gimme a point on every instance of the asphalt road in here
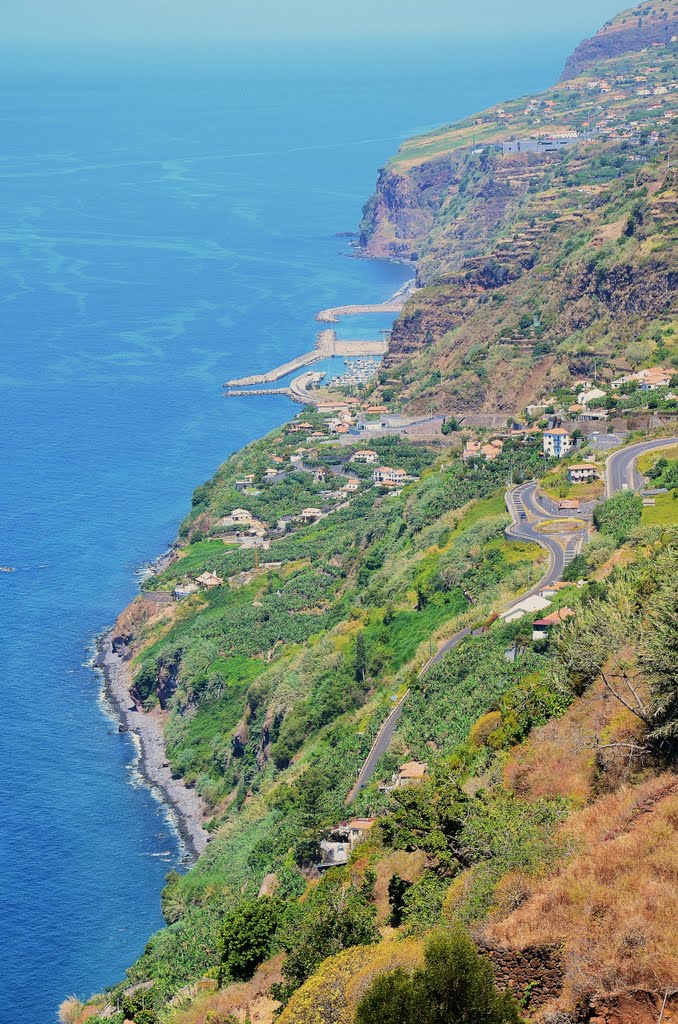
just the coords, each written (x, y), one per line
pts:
(521, 499)
(621, 471)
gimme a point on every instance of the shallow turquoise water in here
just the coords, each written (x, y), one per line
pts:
(165, 224)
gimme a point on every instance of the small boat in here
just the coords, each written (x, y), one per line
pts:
(7, 568)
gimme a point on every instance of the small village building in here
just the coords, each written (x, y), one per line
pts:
(557, 442)
(386, 475)
(581, 473)
(209, 580)
(586, 397)
(647, 380)
(238, 515)
(351, 485)
(341, 840)
(527, 606)
(410, 773)
(309, 515)
(244, 481)
(358, 829)
(319, 476)
(541, 627)
(334, 852)
(298, 428)
(592, 415)
(364, 455)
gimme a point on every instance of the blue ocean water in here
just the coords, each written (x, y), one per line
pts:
(167, 221)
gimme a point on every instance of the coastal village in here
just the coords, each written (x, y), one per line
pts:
(410, 648)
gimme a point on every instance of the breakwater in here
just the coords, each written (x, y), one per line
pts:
(327, 345)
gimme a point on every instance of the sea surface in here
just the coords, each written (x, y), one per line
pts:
(167, 221)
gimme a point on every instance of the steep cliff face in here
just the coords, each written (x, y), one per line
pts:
(645, 25)
(533, 259)
(401, 212)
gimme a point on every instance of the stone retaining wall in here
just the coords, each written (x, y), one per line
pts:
(534, 974)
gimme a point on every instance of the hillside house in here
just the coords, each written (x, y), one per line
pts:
(237, 516)
(183, 590)
(527, 606)
(647, 380)
(209, 580)
(474, 450)
(340, 841)
(364, 455)
(334, 852)
(591, 395)
(244, 481)
(386, 475)
(410, 773)
(298, 428)
(352, 485)
(557, 442)
(581, 473)
(309, 515)
(541, 627)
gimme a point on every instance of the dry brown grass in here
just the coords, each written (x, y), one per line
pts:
(245, 999)
(408, 865)
(614, 906)
(332, 994)
(559, 759)
(70, 1010)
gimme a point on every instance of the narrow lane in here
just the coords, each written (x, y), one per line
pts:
(621, 472)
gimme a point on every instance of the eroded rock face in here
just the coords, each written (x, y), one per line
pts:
(400, 213)
(614, 40)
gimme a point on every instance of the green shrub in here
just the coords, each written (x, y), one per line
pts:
(454, 986)
(246, 937)
(618, 516)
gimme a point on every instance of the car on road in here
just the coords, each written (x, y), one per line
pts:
(523, 515)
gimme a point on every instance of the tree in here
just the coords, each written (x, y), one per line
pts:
(619, 515)
(337, 914)
(360, 658)
(454, 986)
(450, 424)
(246, 937)
(397, 887)
(577, 569)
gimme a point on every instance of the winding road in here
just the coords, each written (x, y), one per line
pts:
(621, 472)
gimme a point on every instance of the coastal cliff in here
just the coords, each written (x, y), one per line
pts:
(533, 221)
(649, 24)
(331, 612)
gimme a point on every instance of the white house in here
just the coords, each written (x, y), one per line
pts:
(557, 442)
(581, 473)
(386, 475)
(585, 397)
(364, 455)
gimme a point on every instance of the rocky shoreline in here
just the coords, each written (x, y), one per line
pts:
(185, 804)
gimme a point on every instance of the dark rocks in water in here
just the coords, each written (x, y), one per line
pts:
(120, 643)
(123, 728)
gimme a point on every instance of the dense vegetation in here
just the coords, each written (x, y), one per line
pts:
(547, 812)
